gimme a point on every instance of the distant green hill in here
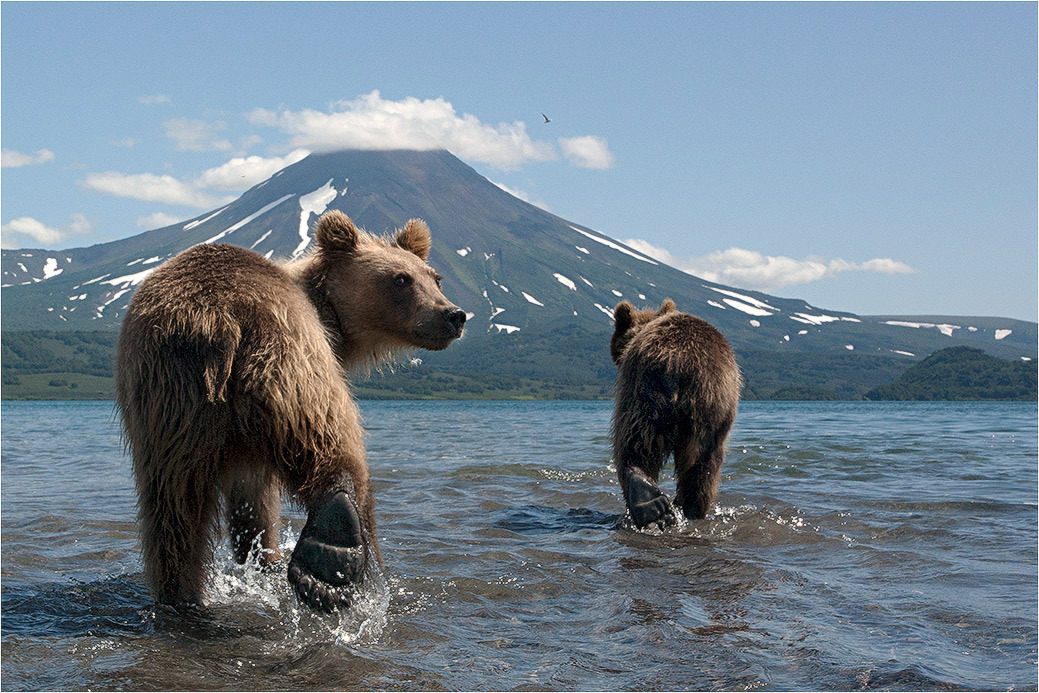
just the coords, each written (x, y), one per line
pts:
(963, 373)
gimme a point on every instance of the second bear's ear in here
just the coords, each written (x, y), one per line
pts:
(668, 306)
(335, 232)
(623, 316)
(414, 238)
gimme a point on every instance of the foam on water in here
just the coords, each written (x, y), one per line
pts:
(268, 592)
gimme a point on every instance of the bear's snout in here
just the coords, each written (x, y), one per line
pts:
(456, 318)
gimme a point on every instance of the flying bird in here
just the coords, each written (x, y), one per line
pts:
(547, 119)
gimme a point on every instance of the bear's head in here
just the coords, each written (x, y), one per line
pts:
(381, 291)
(627, 322)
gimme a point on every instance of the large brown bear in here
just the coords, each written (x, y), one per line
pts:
(678, 387)
(231, 383)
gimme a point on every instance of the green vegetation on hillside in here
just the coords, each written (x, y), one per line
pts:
(963, 373)
(570, 363)
(58, 365)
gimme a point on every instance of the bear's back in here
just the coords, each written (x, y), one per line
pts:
(686, 356)
(219, 278)
(217, 321)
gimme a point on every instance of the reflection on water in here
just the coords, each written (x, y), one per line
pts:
(854, 546)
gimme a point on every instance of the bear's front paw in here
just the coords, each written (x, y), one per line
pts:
(330, 557)
(647, 504)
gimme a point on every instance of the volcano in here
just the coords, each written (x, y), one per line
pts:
(520, 272)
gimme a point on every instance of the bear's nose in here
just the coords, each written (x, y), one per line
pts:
(457, 318)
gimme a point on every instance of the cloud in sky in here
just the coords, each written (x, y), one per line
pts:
(155, 99)
(749, 269)
(10, 158)
(237, 174)
(371, 122)
(587, 151)
(152, 188)
(40, 232)
(196, 135)
(160, 219)
(244, 172)
(125, 143)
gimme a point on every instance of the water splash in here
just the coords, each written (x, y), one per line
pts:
(266, 592)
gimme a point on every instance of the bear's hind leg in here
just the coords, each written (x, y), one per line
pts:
(177, 528)
(253, 508)
(698, 466)
(638, 462)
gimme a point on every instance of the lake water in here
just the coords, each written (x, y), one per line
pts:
(854, 546)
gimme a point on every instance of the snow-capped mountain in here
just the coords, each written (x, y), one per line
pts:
(515, 268)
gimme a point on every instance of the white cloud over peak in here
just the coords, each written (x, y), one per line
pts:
(152, 188)
(10, 158)
(40, 232)
(196, 135)
(244, 172)
(749, 269)
(587, 151)
(371, 122)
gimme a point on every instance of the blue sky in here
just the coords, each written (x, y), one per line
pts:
(875, 158)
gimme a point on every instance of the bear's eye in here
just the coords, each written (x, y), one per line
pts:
(439, 280)
(402, 280)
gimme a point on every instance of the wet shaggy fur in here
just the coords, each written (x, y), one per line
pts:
(677, 392)
(231, 383)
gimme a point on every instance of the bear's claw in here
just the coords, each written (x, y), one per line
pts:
(330, 557)
(646, 502)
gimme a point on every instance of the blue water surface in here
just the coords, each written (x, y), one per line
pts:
(854, 546)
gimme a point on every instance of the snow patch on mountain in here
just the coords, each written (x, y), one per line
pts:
(531, 299)
(243, 222)
(192, 224)
(1003, 334)
(130, 279)
(945, 329)
(748, 309)
(312, 203)
(50, 268)
(261, 239)
(565, 281)
(615, 246)
(746, 300)
(809, 319)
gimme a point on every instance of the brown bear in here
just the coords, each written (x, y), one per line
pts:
(231, 383)
(678, 387)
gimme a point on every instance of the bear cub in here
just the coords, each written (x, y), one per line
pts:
(678, 388)
(231, 383)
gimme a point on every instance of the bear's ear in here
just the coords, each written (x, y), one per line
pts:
(414, 238)
(668, 306)
(623, 316)
(335, 232)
